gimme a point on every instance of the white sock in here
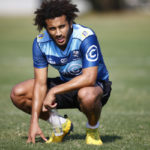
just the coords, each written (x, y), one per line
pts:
(62, 119)
(92, 127)
(56, 119)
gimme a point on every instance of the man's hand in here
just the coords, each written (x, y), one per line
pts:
(35, 130)
(49, 102)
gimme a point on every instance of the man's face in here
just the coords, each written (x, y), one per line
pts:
(59, 29)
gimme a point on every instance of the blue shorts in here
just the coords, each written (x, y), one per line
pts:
(69, 99)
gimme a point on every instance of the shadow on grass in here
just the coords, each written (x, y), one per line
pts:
(110, 138)
(105, 138)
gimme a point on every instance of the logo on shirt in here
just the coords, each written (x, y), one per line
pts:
(92, 53)
(63, 60)
(40, 36)
(52, 62)
(75, 69)
(84, 33)
(76, 54)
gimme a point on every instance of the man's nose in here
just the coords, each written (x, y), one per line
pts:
(58, 33)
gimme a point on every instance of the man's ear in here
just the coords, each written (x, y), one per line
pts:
(71, 24)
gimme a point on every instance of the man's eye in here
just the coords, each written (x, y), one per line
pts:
(52, 29)
(62, 26)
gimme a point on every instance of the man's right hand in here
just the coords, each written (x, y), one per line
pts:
(35, 130)
(49, 102)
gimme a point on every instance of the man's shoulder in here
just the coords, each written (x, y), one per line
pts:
(81, 32)
(43, 37)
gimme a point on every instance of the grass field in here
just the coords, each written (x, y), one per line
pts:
(125, 120)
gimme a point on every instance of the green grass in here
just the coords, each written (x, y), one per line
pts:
(125, 120)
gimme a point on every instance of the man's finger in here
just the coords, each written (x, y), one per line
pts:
(33, 139)
(29, 140)
(44, 109)
(54, 105)
(43, 137)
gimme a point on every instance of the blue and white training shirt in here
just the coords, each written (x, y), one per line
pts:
(82, 51)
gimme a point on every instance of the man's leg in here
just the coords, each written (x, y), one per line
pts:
(90, 104)
(21, 96)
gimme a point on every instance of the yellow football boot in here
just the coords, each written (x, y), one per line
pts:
(93, 137)
(67, 127)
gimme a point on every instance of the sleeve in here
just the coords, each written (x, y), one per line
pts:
(39, 60)
(91, 52)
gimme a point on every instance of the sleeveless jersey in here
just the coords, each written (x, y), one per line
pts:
(82, 51)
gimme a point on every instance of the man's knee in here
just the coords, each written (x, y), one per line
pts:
(88, 97)
(16, 92)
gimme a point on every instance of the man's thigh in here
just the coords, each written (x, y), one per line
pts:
(106, 86)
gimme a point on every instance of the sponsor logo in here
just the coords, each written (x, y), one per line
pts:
(85, 33)
(92, 53)
(75, 52)
(40, 36)
(75, 69)
(52, 62)
(63, 60)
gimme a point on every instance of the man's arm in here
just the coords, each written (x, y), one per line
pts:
(39, 93)
(87, 78)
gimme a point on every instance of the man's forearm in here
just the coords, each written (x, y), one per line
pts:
(39, 94)
(88, 78)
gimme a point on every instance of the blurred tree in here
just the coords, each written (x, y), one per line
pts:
(106, 5)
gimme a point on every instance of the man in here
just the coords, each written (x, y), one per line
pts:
(84, 80)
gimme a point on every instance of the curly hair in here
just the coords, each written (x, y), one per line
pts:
(52, 9)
